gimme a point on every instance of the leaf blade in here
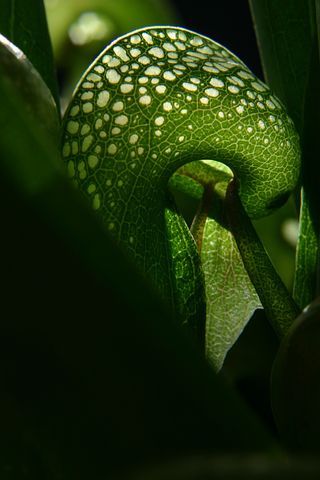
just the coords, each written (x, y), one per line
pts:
(27, 28)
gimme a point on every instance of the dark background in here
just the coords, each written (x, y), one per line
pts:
(228, 23)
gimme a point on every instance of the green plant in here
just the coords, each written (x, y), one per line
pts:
(106, 375)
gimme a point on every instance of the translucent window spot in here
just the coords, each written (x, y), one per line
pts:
(195, 80)
(144, 60)
(240, 109)
(142, 90)
(272, 118)
(184, 111)
(143, 80)
(181, 138)
(236, 80)
(169, 47)
(114, 62)
(260, 105)
(133, 139)
(117, 106)
(245, 75)
(190, 87)
(121, 53)
(108, 182)
(106, 58)
(85, 129)
(74, 147)
(216, 82)
(93, 161)
(91, 188)
(206, 50)
(156, 52)
(147, 38)
(158, 133)
(135, 39)
(86, 143)
(221, 115)
(103, 134)
(172, 34)
(145, 100)
(275, 101)
(212, 92)
(182, 36)
(196, 41)
(97, 149)
(111, 226)
(249, 129)
(103, 98)
(258, 86)
(159, 121)
(87, 107)
(168, 75)
(135, 52)
(251, 94)
(180, 67)
(112, 149)
(261, 125)
(66, 150)
(204, 100)
(233, 89)
(112, 76)
(270, 104)
(72, 127)
(153, 71)
(167, 106)
(96, 202)
(154, 81)
(140, 150)
(210, 69)
(87, 85)
(93, 77)
(121, 120)
(87, 96)
(126, 88)
(266, 141)
(71, 169)
(106, 117)
(99, 69)
(120, 183)
(115, 131)
(74, 110)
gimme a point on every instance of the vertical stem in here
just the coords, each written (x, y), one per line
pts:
(279, 306)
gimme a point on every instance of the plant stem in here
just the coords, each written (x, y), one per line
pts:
(279, 306)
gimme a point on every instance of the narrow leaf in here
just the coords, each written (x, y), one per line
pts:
(288, 43)
(231, 297)
(25, 25)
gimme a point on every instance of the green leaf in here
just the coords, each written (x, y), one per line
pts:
(135, 119)
(18, 71)
(288, 43)
(230, 295)
(95, 373)
(26, 27)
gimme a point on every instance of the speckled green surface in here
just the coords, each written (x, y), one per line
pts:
(153, 101)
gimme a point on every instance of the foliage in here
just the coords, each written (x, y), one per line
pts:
(111, 315)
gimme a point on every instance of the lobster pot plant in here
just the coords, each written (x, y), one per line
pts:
(130, 262)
